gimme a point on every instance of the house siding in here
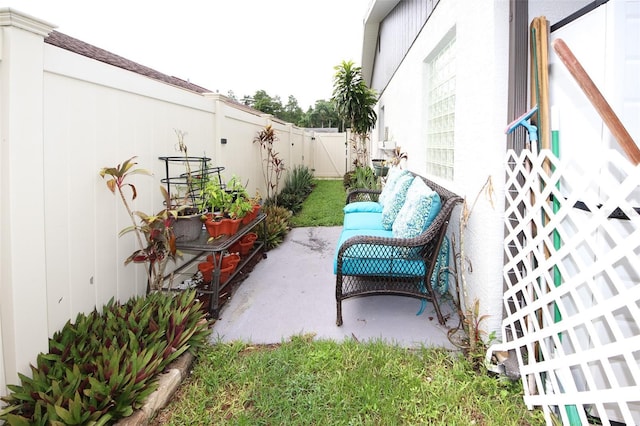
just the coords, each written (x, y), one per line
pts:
(397, 33)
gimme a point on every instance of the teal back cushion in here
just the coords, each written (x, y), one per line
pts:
(391, 207)
(420, 208)
(394, 174)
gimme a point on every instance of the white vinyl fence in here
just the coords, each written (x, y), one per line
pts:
(572, 278)
(63, 117)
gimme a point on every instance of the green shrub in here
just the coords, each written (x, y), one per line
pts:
(277, 226)
(299, 180)
(291, 201)
(348, 179)
(104, 366)
(361, 177)
(297, 186)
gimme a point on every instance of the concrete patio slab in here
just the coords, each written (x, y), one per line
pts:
(292, 292)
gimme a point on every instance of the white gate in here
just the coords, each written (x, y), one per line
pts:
(572, 278)
(329, 155)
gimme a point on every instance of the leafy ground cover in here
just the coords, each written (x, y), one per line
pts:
(103, 366)
(303, 381)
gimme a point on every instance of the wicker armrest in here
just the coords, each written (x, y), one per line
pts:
(362, 194)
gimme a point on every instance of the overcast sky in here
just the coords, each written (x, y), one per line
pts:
(285, 47)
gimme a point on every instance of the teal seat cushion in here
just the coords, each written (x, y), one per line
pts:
(372, 259)
(363, 220)
(420, 208)
(364, 259)
(363, 206)
(391, 207)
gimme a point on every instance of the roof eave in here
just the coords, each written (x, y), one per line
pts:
(378, 10)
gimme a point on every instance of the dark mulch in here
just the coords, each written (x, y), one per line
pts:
(229, 288)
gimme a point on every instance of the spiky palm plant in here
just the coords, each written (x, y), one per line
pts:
(355, 102)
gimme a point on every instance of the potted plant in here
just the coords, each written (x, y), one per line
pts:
(216, 199)
(256, 203)
(380, 167)
(158, 245)
(240, 204)
(188, 186)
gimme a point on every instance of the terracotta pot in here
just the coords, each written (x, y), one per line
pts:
(211, 258)
(214, 228)
(230, 259)
(251, 236)
(249, 217)
(245, 247)
(206, 269)
(225, 273)
(234, 225)
(218, 228)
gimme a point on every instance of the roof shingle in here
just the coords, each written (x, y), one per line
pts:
(71, 44)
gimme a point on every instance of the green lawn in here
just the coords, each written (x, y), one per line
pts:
(323, 207)
(306, 382)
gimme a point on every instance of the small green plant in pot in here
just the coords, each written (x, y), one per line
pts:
(227, 205)
(240, 204)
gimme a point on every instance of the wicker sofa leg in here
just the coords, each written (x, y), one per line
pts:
(339, 296)
(436, 305)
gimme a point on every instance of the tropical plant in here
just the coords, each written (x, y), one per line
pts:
(355, 103)
(299, 180)
(273, 165)
(159, 240)
(277, 226)
(363, 177)
(103, 366)
(298, 184)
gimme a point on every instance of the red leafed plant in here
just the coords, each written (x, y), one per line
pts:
(159, 240)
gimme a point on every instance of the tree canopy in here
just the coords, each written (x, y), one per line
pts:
(322, 115)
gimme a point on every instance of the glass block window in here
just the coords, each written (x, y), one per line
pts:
(440, 109)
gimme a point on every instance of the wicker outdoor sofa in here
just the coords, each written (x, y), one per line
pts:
(393, 240)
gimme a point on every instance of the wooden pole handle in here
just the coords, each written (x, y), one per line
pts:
(601, 105)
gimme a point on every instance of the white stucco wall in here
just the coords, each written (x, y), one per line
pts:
(482, 40)
(481, 113)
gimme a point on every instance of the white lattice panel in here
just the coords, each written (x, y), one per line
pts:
(572, 278)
